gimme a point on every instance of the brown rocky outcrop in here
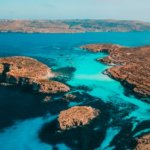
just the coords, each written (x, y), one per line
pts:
(76, 116)
(25, 71)
(143, 143)
(101, 47)
(49, 86)
(131, 66)
(26, 67)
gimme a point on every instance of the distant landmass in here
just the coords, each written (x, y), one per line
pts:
(72, 26)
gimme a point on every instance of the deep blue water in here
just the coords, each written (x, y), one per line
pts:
(28, 124)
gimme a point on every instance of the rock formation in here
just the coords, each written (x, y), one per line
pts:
(76, 116)
(25, 71)
(131, 65)
(143, 143)
(47, 99)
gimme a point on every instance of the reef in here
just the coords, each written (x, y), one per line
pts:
(143, 143)
(76, 116)
(30, 73)
(130, 66)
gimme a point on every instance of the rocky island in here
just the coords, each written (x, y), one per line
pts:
(76, 116)
(130, 66)
(143, 143)
(28, 72)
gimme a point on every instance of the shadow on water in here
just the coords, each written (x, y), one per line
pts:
(64, 74)
(20, 105)
(92, 135)
(17, 104)
(87, 137)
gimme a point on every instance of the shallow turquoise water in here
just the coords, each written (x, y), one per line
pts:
(129, 114)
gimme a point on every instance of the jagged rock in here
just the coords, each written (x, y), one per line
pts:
(76, 116)
(69, 97)
(47, 99)
(143, 143)
(25, 71)
(49, 86)
(26, 67)
(132, 66)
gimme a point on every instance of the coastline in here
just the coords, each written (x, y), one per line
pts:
(82, 32)
(129, 66)
(117, 109)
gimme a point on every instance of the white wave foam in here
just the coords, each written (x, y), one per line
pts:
(98, 77)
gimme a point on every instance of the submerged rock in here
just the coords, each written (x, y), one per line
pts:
(131, 66)
(69, 97)
(76, 116)
(143, 143)
(25, 71)
(47, 99)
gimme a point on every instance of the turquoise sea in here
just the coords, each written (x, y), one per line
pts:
(28, 124)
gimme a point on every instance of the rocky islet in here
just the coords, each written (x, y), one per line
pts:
(143, 143)
(76, 116)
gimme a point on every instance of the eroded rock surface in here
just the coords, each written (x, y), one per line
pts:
(25, 71)
(131, 66)
(76, 116)
(143, 143)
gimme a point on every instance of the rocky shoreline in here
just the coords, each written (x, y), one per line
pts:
(130, 66)
(143, 143)
(30, 73)
(72, 26)
(76, 116)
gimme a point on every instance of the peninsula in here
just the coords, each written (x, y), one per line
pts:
(130, 66)
(30, 73)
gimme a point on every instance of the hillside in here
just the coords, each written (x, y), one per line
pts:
(72, 26)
